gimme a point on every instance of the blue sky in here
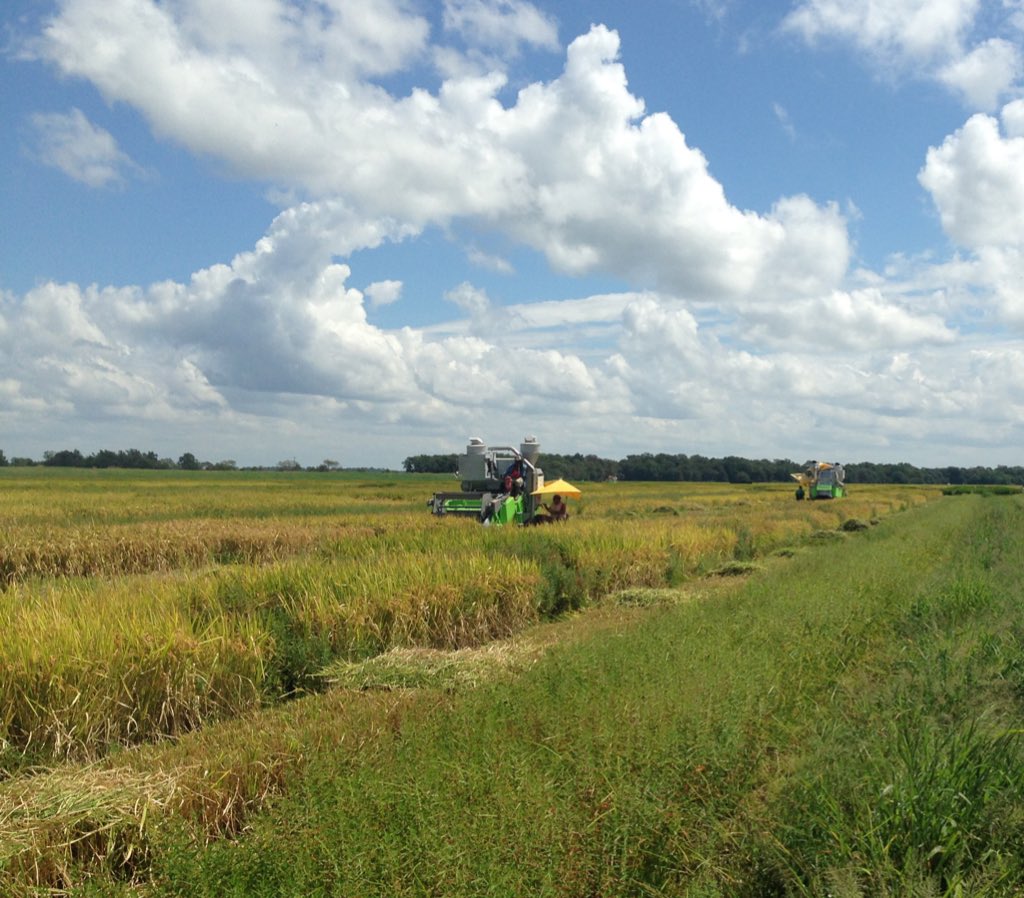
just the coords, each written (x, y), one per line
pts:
(365, 229)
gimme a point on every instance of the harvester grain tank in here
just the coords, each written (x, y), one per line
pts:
(821, 480)
(496, 483)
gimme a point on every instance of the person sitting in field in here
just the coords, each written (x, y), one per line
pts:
(556, 510)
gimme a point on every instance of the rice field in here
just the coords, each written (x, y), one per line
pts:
(138, 607)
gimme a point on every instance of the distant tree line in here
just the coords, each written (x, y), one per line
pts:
(730, 469)
(105, 458)
(733, 469)
(579, 467)
(137, 459)
(128, 458)
(431, 464)
(645, 466)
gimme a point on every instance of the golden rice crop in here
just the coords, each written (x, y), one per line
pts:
(87, 551)
(87, 665)
(381, 598)
(84, 668)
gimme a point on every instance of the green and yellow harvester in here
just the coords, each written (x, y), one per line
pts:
(497, 483)
(821, 480)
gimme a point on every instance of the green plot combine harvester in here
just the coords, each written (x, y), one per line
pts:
(821, 480)
(497, 483)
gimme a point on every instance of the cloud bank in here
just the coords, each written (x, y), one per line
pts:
(743, 331)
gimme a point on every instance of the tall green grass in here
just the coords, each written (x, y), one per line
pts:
(918, 785)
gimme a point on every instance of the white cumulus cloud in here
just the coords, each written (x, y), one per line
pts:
(975, 179)
(904, 31)
(970, 46)
(985, 74)
(83, 151)
(384, 293)
(501, 24)
(574, 168)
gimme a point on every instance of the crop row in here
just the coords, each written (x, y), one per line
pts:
(87, 664)
(55, 534)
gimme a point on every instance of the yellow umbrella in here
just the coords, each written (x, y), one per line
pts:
(558, 488)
